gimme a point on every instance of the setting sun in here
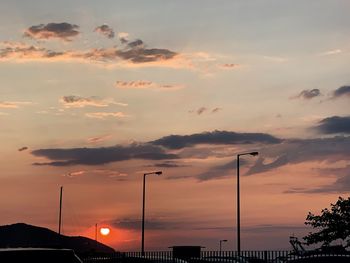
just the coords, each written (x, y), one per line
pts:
(105, 231)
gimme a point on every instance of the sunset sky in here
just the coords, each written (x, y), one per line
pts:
(96, 93)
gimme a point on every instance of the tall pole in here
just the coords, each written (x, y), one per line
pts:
(238, 211)
(96, 245)
(96, 232)
(60, 214)
(239, 203)
(143, 210)
(143, 217)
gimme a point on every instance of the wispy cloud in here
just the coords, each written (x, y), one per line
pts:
(168, 164)
(111, 56)
(168, 222)
(202, 110)
(104, 115)
(152, 224)
(102, 155)
(98, 139)
(215, 149)
(138, 84)
(96, 172)
(303, 150)
(105, 30)
(276, 59)
(18, 51)
(215, 110)
(144, 84)
(229, 66)
(80, 102)
(219, 171)
(134, 53)
(23, 149)
(308, 94)
(75, 173)
(13, 104)
(331, 52)
(63, 31)
(340, 185)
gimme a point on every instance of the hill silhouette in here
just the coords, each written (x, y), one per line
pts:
(24, 235)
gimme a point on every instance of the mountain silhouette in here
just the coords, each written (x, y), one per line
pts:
(24, 235)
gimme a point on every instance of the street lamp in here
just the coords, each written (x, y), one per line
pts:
(238, 202)
(222, 240)
(143, 210)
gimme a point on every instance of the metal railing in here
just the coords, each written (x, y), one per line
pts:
(266, 256)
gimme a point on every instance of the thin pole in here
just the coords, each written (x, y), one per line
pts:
(220, 245)
(96, 232)
(60, 215)
(143, 210)
(143, 217)
(238, 212)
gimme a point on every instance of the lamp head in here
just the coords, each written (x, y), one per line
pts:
(254, 153)
(224, 240)
(158, 172)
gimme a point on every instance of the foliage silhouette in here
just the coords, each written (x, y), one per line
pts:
(333, 224)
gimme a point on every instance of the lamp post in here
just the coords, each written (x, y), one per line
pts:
(238, 202)
(143, 210)
(222, 240)
(60, 213)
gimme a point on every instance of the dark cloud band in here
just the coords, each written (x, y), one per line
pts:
(103, 155)
(63, 31)
(216, 137)
(334, 125)
(342, 92)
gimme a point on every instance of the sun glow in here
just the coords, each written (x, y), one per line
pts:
(105, 231)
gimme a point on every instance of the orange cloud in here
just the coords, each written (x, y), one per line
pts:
(133, 54)
(143, 84)
(13, 104)
(127, 57)
(80, 102)
(98, 138)
(104, 115)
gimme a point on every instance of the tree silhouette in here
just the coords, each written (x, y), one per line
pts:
(333, 224)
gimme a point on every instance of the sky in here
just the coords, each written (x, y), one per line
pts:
(93, 94)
